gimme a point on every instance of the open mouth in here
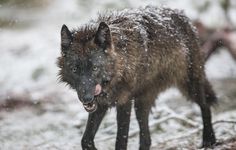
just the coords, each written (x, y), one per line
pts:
(90, 107)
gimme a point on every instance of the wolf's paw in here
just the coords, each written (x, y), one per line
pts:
(208, 144)
(89, 148)
(88, 145)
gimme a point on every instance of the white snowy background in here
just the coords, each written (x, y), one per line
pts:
(51, 117)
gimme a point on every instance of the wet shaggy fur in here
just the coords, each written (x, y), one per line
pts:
(135, 54)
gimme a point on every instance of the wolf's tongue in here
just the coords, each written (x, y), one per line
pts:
(98, 89)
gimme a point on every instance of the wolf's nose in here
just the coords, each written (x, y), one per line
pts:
(88, 99)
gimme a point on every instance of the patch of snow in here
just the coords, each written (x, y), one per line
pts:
(60, 123)
(221, 65)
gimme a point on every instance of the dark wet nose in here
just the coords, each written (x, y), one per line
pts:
(88, 99)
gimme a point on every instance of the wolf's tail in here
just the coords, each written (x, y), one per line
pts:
(195, 57)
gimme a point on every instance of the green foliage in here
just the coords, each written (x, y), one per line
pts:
(24, 3)
(225, 4)
(38, 72)
(13, 23)
(158, 128)
(202, 8)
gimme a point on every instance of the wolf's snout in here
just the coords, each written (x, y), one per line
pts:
(90, 105)
(88, 99)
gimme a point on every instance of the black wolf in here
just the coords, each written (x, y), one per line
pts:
(134, 54)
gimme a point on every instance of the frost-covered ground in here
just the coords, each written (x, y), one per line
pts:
(40, 113)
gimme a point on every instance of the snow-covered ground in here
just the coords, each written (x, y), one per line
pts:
(52, 117)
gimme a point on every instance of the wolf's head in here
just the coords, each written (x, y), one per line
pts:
(85, 62)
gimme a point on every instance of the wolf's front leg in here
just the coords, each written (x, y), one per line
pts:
(123, 120)
(143, 105)
(93, 123)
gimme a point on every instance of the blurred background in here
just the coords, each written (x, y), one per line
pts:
(36, 111)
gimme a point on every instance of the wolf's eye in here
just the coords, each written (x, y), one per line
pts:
(74, 69)
(95, 68)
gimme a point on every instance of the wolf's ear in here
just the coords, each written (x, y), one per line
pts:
(103, 36)
(66, 36)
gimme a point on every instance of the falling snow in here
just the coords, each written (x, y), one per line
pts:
(48, 115)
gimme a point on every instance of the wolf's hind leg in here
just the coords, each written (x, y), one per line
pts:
(201, 92)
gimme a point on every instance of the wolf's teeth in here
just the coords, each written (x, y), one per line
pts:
(93, 106)
(89, 106)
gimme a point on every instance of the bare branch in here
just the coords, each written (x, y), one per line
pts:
(224, 121)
